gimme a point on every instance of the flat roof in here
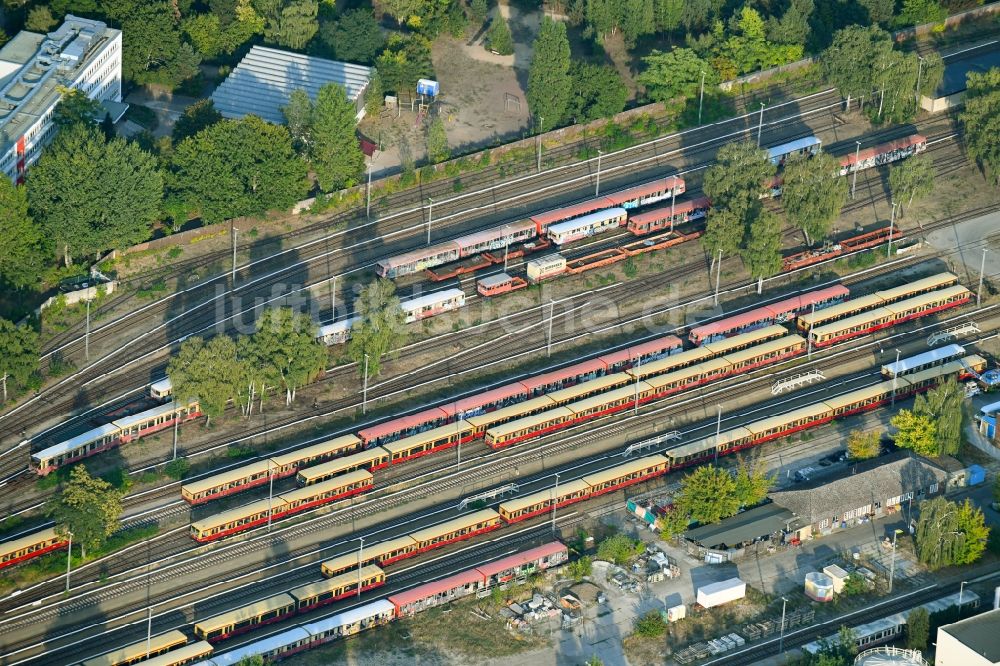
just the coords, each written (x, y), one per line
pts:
(265, 79)
(746, 526)
(980, 633)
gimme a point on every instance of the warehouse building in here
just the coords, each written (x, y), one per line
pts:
(82, 54)
(974, 641)
(265, 79)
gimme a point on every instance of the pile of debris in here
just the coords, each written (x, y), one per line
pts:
(710, 648)
(522, 615)
(796, 618)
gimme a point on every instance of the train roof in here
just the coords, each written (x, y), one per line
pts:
(767, 347)
(350, 616)
(797, 144)
(511, 411)
(314, 450)
(519, 559)
(435, 587)
(162, 386)
(707, 443)
(709, 366)
(503, 429)
(840, 310)
(804, 301)
(724, 346)
(623, 393)
(225, 517)
(250, 469)
(401, 423)
(159, 410)
(431, 435)
(330, 484)
(339, 326)
(449, 526)
(658, 185)
(417, 255)
(930, 356)
(780, 420)
(272, 642)
(923, 284)
(929, 297)
(374, 551)
(17, 544)
(567, 488)
(587, 220)
(868, 153)
(570, 371)
(573, 210)
(182, 655)
(862, 394)
(631, 467)
(76, 442)
(590, 386)
(656, 214)
(431, 299)
(850, 322)
(136, 650)
(329, 584)
(246, 612)
(633, 352)
(732, 322)
(494, 233)
(337, 464)
(486, 397)
(497, 280)
(668, 363)
(949, 368)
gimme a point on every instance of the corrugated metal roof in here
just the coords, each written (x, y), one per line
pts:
(264, 80)
(546, 550)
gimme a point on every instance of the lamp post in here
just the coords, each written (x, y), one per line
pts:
(718, 432)
(69, 559)
(894, 375)
(555, 501)
(270, 493)
(361, 550)
(961, 591)
(718, 277)
(982, 270)
(916, 92)
(701, 97)
(235, 231)
(854, 178)
(760, 124)
(892, 223)
(548, 343)
(368, 192)
(781, 636)
(364, 393)
(809, 340)
(538, 144)
(892, 562)
(638, 367)
(430, 213)
(597, 188)
(86, 335)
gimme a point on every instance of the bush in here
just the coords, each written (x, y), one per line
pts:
(650, 625)
(580, 569)
(177, 469)
(619, 549)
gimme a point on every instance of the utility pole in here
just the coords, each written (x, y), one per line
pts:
(638, 367)
(701, 97)
(894, 375)
(368, 192)
(597, 188)
(270, 493)
(69, 560)
(760, 124)
(548, 344)
(673, 200)
(361, 550)
(892, 222)
(961, 594)
(982, 270)
(235, 230)
(781, 637)
(86, 335)
(149, 632)
(538, 144)
(854, 178)
(916, 93)
(809, 340)
(892, 562)
(364, 394)
(718, 432)
(333, 300)
(430, 212)
(718, 276)
(177, 421)
(555, 501)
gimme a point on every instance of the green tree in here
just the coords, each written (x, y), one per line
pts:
(619, 549)
(224, 29)
(668, 14)
(598, 92)
(252, 660)
(336, 155)
(289, 23)
(942, 406)
(602, 17)
(950, 534)
(793, 26)
(672, 522)
(374, 96)
(918, 629)
(18, 355)
(404, 60)
(286, 342)
(152, 49)
(299, 120)
(762, 247)
(752, 483)
(863, 444)
(880, 11)
(212, 373)
(22, 244)
(75, 107)
(637, 19)
(580, 568)
(708, 494)
(88, 508)
(499, 38)
(852, 60)
(910, 179)
(918, 12)
(196, 117)
(402, 10)
(354, 37)
(549, 82)
(738, 176)
(676, 73)
(723, 232)
(40, 19)
(479, 9)
(437, 141)
(650, 625)
(380, 329)
(916, 432)
(89, 194)
(238, 168)
(981, 120)
(813, 194)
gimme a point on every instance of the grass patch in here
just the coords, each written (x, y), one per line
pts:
(153, 290)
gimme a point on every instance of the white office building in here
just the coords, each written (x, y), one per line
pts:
(81, 53)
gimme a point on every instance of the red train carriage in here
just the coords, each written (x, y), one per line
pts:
(667, 217)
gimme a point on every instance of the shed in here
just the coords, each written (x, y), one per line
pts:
(757, 523)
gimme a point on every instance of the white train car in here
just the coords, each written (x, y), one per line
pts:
(587, 226)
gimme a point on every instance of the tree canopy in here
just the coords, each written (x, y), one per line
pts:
(286, 343)
(981, 120)
(676, 73)
(918, 628)
(723, 232)
(336, 154)
(549, 81)
(88, 508)
(18, 355)
(437, 141)
(762, 246)
(354, 37)
(598, 92)
(738, 176)
(22, 245)
(949, 533)
(619, 549)
(708, 494)
(239, 168)
(912, 178)
(196, 117)
(942, 406)
(813, 194)
(864, 444)
(499, 38)
(380, 329)
(916, 432)
(211, 372)
(89, 194)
